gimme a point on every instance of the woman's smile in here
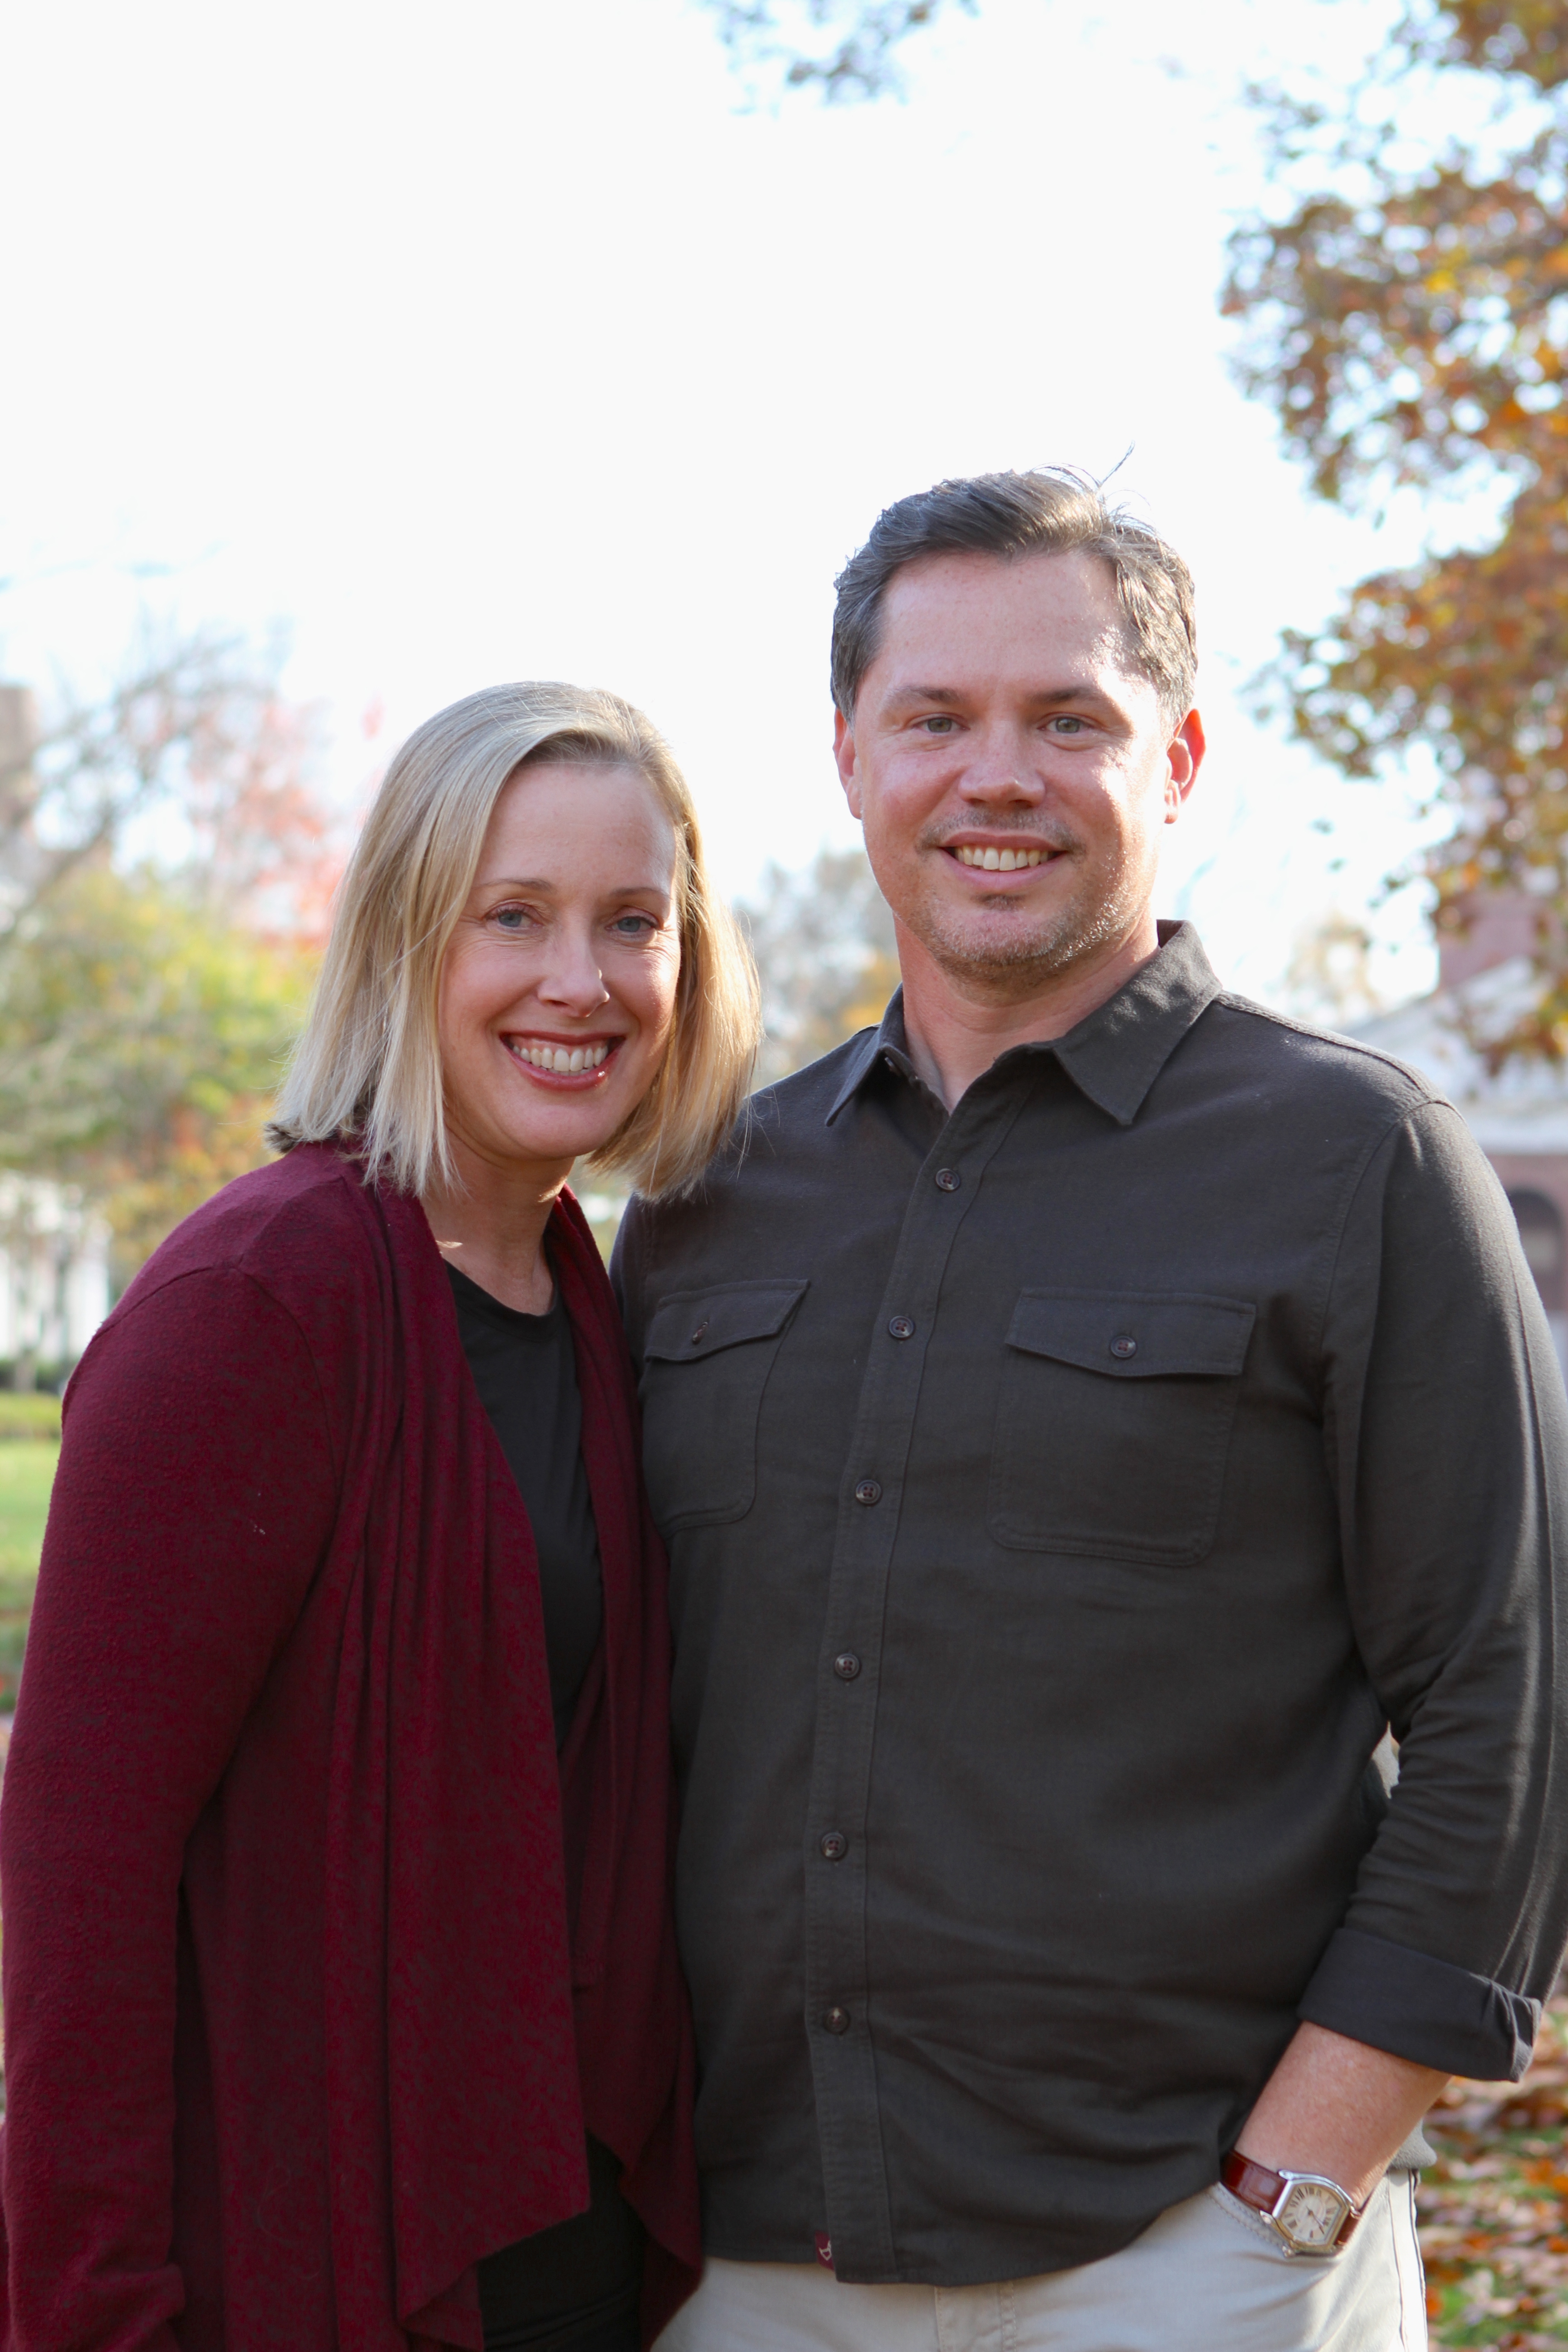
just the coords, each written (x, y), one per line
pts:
(573, 1063)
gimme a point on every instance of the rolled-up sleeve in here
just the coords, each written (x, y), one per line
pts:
(1447, 1434)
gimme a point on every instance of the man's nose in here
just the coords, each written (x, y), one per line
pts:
(1002, 770)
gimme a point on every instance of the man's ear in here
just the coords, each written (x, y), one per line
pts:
(844, 756)
(1186, 757)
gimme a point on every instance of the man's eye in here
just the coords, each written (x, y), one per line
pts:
(1066, 724)
(939, 725)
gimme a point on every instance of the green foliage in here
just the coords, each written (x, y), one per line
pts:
(142, 1032)
(1408, 321)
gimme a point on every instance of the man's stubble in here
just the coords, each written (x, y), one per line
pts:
(980, 957)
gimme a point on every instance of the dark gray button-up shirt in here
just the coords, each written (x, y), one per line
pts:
(1063, 1495)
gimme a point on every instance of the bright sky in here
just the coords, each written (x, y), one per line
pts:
(497, 340)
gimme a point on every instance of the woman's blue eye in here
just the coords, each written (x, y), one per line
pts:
(512, 919)
(634, 923)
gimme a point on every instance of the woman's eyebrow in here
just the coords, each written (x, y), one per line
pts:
(644, 889)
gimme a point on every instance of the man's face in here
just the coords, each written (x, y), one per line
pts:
(1002, 726)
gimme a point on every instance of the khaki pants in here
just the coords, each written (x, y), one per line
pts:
(1210, 2275)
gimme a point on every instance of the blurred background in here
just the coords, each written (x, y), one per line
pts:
(359, 357)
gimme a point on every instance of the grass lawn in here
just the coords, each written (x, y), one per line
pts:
(27, 1474)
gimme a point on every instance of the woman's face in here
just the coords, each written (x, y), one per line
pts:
(558, 988)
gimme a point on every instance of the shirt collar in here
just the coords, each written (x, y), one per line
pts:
(1113, 1056)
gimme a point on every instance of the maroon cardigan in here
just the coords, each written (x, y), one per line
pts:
(302, 2015)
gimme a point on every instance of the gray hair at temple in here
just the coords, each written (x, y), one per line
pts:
(1056, 512)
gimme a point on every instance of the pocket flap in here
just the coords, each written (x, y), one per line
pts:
(691, 1324)
(1134, 1334)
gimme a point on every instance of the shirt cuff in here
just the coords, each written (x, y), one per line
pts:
(1421, 2009)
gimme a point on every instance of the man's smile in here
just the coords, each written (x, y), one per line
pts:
(998, 852)
(998, 861)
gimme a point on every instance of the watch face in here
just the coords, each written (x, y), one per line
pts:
(1310, 2214)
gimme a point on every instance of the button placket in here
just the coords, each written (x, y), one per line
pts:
(850, 2126)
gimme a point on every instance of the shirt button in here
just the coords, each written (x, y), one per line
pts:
(948, 1180)
(837, 2021)
(835, 1847)
(868, 1491)
(846, 1665)
(1124, 1344)
(901, 1327)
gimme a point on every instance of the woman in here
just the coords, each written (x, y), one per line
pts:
(343, 2010)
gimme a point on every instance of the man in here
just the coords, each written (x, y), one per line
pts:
(1087, 1413)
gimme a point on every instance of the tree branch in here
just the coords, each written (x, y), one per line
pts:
(856, 60)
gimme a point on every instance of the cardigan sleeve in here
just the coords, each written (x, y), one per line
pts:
(196, 1495)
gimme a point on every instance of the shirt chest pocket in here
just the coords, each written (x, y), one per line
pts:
(706, 1358)
(1114, 1423)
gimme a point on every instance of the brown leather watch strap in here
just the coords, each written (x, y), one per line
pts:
(1256, 2186)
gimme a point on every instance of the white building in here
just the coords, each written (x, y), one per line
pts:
(54, 1277)
(1519, 1116)
(54, 1254)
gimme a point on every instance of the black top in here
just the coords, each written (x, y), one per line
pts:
(1063, 1493)
(578, 2283)
(526, 1373)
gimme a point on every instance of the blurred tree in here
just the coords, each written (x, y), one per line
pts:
(1328, 978)
(846, 49)
(189, 727)
(823, 937)
(142, 1032)
(1407, 318)
(144, 1014)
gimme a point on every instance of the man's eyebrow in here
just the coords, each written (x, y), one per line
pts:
(1051, 694)
(907, 696)
(912, 697)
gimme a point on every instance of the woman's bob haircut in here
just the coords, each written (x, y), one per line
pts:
(367, 1069)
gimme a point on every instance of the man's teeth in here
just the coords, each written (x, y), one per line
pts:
(999, 861)
(563, 1059)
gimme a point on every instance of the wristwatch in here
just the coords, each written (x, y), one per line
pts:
(1312, 2215)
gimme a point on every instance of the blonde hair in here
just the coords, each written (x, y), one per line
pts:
(368, 1064)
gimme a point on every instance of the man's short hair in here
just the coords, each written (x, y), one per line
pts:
(1053, 512)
